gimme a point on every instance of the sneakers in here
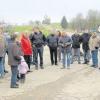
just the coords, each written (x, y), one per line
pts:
(68, 67)
(56, 64)
(15, 86)
(29, 71)
(5, 71)
(22, 81)
(79, 62)
(86, 62)
(94, 66)
(1, 76)
(41, 67)
(36, 67)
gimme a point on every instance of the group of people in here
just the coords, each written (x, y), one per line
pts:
(24, 50)
(68, 48)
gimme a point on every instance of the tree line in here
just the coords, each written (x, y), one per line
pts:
(91, 21)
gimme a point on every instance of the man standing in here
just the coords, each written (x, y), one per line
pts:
(33, 48)
(2, 52)
(52, 41)
(85, 45)
(14, 54)
(38, 41)
(76, 47)
(7, 41)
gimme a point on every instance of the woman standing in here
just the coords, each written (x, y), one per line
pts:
(26, 48)
(65, 42)
(94, 44)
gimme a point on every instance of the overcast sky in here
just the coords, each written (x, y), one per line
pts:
(21, 11)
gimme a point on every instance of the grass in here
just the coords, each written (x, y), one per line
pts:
(22, 28)
(44, 28)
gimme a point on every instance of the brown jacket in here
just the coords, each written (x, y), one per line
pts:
(94, 42)
(2, 46)
(13, 51)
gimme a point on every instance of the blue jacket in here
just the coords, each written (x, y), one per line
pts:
(52, 40)
(65, 42)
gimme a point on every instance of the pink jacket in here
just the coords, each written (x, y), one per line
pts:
(23, 67)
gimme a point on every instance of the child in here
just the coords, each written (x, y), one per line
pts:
(23, 68)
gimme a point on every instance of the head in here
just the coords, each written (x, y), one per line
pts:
(86, 31)
(17, 35)
(64, 33)
(76, 32)
(25, 34)
(59, 33)
(94, 34)
(22, 59)
(1, 30)
(33, 29)
(53, 31)
(36, 29)
(13, 37)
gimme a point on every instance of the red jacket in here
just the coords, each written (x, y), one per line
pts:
(26, 45)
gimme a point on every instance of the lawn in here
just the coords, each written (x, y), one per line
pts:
(44, 28)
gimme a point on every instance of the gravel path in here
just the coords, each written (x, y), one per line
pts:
(53, 83)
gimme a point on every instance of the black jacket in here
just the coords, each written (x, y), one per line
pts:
(76, 38)
(38, 39)
(85, 41)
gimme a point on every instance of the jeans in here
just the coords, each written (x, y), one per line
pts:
(1, 67)
(4, 61)
(86, 55)
(95, 57)
(14, 71)
(75, 53)
(53, 55)
(59, 53)
(28, 60)
(66, 59)
(39, 50)
(34, 55)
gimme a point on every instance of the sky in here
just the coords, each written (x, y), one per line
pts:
(22, 11)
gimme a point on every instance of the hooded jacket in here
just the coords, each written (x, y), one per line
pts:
(26, 45)
(94, 43)
(85, 41)
(76, 41)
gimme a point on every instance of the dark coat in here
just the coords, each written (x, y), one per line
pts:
(52, 40)
(38, 39)
(85, 41)
(76, 38)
